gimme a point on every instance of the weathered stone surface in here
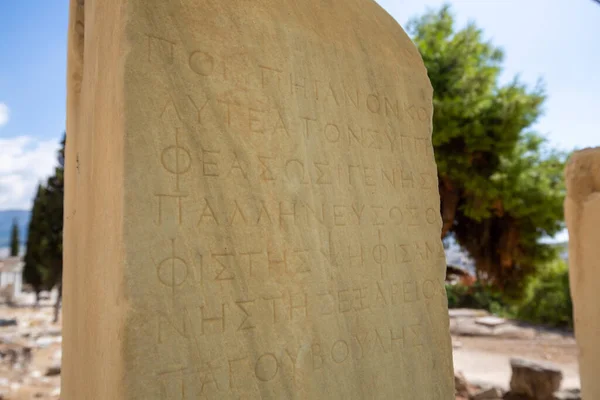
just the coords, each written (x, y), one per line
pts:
(467, 313)
(53, 370)
(573, 394)
(514, 396)
(465, 326)
(535, 380)
(582, 213)
(491, 321)
(487, 394)
(251, 205)
(460, 384)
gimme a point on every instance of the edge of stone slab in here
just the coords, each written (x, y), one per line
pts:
(582, 174)
(517, 362)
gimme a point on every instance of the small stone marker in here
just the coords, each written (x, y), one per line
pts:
(534, 380)
(252, 208)
(491, 321)
(582, 213)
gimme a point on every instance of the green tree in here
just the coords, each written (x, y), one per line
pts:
(33, 272)
(43, 259)
(14, 239)
(548, 297)
(501, 189)
(52, 239)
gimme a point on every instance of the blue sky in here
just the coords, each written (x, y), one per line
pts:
(556, 40)
(32, 93)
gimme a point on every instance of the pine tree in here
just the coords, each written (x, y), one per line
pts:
(33, 273)
(14, 239)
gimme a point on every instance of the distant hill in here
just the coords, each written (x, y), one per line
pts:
(6, 220)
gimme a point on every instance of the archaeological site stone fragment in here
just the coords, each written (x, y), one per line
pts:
(582, 213)
(252, 208)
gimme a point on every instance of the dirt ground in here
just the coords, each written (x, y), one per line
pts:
(486, 361)
(30, 353)
(558, 349)
(24, 378)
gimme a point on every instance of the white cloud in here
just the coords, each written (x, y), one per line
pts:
(24, 162)
(3, 114)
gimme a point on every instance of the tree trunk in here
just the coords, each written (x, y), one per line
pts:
(449, 198)
(37, 297)
(57, 304)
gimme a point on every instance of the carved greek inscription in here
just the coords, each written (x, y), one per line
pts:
(232, 373)
(235, 368)
(226, 266)
(331, 255)
(176, 159)
(245, 306)
(283, 213)
(177, 199)
(201, 62)
(418, 252)
(362, 137)
(249, 108)
(180, 324)
(239, 68)
(172, 271)
(250, 119)
(380, 254)
(247, 118)
(170, 114)
(268, 77)
(261, 168)
(212, 321)
(266, 367)
(195, 382)
(287, 307)
(266, 263)
(160, 49)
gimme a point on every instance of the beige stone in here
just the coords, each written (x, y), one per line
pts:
(252, 206)
(582, 213)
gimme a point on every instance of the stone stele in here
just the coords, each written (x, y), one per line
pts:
(582, 213)
(252, 208)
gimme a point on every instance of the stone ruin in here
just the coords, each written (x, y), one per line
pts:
(251, 205)
(582, 213)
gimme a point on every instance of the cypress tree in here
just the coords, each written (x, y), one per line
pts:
(52, 241)
(14, 239)
(33, 273)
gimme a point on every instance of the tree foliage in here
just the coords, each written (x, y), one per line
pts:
(33, 272)
(43, 258)
(548, 297)
(53, 221)
(501, 188)
(14, 239)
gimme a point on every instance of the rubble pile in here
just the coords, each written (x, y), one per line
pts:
(30, 358)
(531, 380)
(30, 353)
